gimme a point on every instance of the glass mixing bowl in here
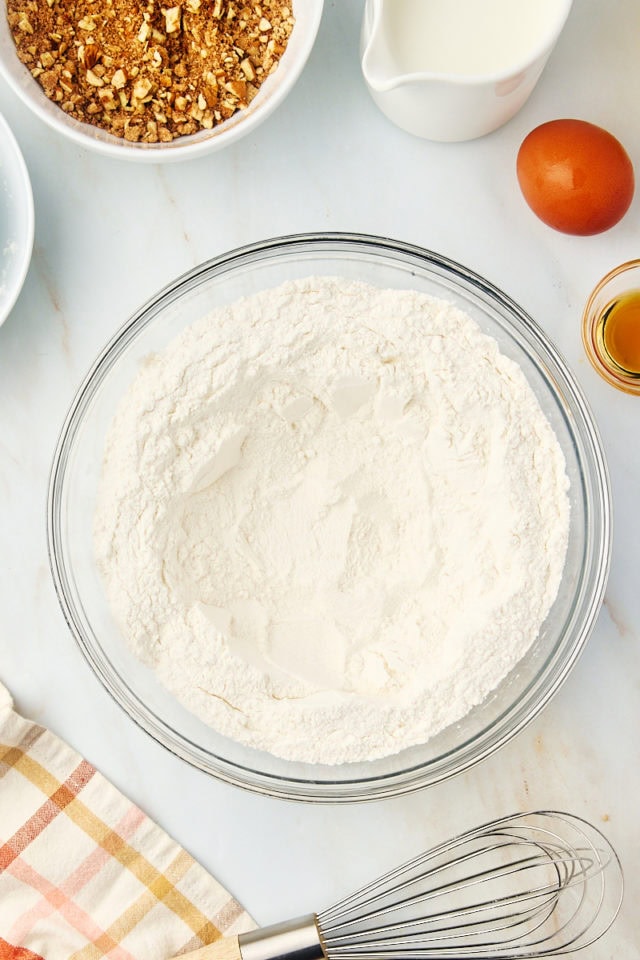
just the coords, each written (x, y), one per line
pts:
(76, 470)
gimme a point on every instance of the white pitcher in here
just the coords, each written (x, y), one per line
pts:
(456, 69)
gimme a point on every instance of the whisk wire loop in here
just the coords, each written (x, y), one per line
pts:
(523, 886)
(479, 877)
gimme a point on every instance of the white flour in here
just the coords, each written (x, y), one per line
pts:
(332, 518)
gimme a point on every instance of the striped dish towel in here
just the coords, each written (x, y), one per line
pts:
(84, 874)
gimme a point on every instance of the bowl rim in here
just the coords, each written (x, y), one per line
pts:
(23, 201)
(377, 786)
(182, 148)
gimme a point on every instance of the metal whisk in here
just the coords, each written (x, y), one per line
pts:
(531, 885)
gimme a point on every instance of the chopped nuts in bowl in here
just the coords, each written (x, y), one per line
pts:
(140, 80)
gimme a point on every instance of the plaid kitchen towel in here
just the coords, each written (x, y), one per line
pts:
(84, 874)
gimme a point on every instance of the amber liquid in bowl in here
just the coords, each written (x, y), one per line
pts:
(618, 332)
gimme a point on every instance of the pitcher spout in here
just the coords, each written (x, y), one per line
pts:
(378, 68)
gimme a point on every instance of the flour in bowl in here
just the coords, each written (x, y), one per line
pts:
(332, 518)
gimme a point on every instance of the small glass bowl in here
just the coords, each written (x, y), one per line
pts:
(77, 466)
(618, 282)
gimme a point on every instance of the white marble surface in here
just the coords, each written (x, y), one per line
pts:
(108, 235)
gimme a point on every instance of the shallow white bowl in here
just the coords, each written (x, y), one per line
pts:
(273, 91)
(16, 220)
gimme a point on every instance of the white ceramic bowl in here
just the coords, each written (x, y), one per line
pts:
(273, 91)
(16, 220)
(76, 472)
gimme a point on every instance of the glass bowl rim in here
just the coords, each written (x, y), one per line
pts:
(378, 786)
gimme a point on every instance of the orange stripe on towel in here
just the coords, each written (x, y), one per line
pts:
(85, 872)
(9, 952)
(60, 798)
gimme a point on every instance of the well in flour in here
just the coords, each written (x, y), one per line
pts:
(331, 518)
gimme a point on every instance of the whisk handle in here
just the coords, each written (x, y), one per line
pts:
(297, 939)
